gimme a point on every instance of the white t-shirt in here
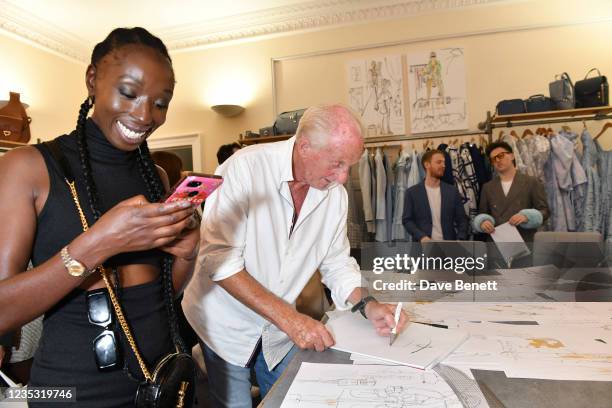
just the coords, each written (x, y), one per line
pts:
(435, 204)
(506, 186)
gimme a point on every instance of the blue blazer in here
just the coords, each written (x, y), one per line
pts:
(417, 213)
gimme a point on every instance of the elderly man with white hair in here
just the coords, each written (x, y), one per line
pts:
(279, 215)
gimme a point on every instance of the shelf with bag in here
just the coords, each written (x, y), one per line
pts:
(265, 139)
(594, 111)
(583, 100)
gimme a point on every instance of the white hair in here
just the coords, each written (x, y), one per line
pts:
(320, 121)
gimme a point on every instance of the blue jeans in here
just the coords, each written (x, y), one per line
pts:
(230, 385)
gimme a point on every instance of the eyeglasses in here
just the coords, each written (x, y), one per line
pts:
(105, 345)
(499, 156)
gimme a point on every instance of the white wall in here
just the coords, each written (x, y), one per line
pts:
(52, 86)
(499, 66)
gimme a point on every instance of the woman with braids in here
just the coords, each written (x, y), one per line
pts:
(149, 247)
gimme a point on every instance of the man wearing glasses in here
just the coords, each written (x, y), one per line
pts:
(511, 196)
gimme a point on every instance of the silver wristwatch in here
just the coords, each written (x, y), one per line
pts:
(74, 267)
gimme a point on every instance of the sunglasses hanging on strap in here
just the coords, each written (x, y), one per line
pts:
(172, 382)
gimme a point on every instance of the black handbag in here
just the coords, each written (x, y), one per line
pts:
(539, 103)
(592, 91)
(510, 107)
(172, 383)
(562, 92)
(287, 122)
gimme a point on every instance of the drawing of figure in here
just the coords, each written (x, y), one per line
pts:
(374, 76)
(385, 103)
(434, 77)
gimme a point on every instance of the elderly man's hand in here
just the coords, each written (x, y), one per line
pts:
(382, 316)
(308, 333)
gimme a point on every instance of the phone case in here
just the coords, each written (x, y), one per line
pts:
(195, 188)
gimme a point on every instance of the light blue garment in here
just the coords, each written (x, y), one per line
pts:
(230, 385)
(419, 164)
(523, 150)
(520, 165)
(568, 177)
(381, 199)
(605, 173)
(389, 194)
(413, 175)
(365, 182)
(589, 214)
(401, 169)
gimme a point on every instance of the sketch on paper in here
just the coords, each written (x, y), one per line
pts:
(345, 385)
(419, 346)
(376, 94)
(437, 90)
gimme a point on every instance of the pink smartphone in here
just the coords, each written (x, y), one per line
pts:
(194, 187)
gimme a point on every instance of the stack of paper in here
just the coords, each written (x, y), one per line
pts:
(418, 345)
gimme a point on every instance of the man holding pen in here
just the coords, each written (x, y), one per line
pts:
(279, 215)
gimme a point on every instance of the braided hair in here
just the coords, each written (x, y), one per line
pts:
(155, 189)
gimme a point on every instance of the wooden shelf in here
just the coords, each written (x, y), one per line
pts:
(600, 110)
(266, 139)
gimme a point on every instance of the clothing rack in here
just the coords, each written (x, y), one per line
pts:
(398, 140)
(541, 118)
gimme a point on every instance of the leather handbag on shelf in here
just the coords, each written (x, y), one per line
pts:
(539, 103)
(510, 107)
(287, 122)
(592, 91)
(562, 92)
(14, 121)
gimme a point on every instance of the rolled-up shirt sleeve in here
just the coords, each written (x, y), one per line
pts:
(339, 271)
(223, 230)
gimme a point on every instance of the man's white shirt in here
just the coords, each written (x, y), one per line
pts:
(246, 225)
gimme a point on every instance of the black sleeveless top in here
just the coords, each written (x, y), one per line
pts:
(65, 354)
(117, 177)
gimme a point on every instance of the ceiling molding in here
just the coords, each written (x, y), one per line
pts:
(307, 15)
(17, 21)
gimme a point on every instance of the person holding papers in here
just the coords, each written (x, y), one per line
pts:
(434, 209)
(511, 197)
(279, 215)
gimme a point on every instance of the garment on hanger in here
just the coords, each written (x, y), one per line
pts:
(467, 177)
(373, 189)
(401, 169)
(483, 174)
(381, 198)
(354, 225)
(448, 171)
(365, 183)
(590, 219)
(389, 197)
(526, 156)
(520, 165)
(605, 174)
(567, 175)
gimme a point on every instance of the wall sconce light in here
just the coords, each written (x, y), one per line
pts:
(228, 110)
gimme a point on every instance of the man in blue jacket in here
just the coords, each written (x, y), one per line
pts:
(433, 210)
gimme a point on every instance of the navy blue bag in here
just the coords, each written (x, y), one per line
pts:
(539, 103)
(510, 107)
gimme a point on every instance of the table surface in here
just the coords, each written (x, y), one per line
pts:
(508, 392)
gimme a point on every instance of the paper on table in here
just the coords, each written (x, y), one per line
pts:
(418, 345)
(346, 385)
(509, 242)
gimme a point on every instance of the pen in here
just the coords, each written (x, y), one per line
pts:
(398, 310)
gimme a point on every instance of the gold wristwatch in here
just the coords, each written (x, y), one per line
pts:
(74, 267)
